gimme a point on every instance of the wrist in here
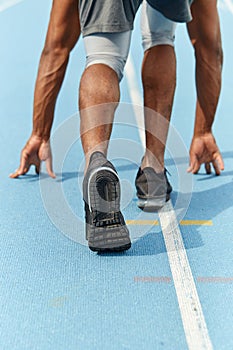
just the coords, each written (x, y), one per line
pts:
(202, 130)
(39, 136)
(203, 126)
(42, 127)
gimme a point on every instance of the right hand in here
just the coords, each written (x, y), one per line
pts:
(35, 151)
(204, 149)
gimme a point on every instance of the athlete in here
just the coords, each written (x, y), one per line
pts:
(38, 148)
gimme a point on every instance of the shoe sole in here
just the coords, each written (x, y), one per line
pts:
(103, 189)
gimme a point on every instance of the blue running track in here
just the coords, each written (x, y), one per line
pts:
(54, 292)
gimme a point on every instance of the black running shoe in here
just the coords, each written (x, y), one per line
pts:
(153, 189)
(106, 230)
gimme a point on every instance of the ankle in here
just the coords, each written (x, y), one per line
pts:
(152, 162)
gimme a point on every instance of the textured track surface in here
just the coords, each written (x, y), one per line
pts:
(54, 292)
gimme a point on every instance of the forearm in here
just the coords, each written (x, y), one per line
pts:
(205, 35)
(208, 81)
(48, 84)
(63, 33)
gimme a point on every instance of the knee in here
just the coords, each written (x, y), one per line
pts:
(109, 49)
(116, 64)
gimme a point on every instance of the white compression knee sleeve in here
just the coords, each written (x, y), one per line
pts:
(155, 28)
(110, 49)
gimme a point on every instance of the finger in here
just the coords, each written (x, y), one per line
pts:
(194, 165)
(37, 168)
(191, 163)
(49, 167)
(189, 169)
(216, 167)
(218, 164)
(196, 168)
(18, 172)
(15, 174)
(220, 161)
(208, 168)
(23, 167)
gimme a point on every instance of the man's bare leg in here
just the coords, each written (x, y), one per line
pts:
(99, 95)
(106, 230)
(204, 33)
(98, 98)
(99, 91)
(159, 81)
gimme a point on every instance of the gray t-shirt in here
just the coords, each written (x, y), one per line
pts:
(112, 16)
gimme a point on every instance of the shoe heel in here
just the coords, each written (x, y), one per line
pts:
(108, 232)
(104, 191)
(151, 204)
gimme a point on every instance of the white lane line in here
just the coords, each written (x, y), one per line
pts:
(190, 307)
(229, 5)
(5, 4)
(135, 97)
(193, 320)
